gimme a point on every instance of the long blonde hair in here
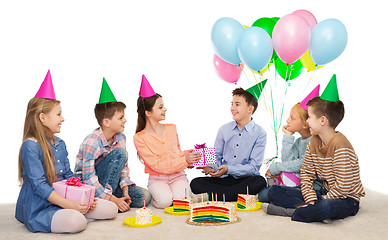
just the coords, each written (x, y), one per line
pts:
(33, 128)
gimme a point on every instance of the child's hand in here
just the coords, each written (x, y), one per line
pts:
(121, 203)
(129, 200)
(207, 170)
(284, 129)
(79, 206)
(268, 173)
(305, 205)
(93, 205)
(192, 157)
(221, 170)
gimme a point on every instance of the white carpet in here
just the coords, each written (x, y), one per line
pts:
(370, 223)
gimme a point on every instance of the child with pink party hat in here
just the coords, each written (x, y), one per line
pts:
(293, 151)
(43, 161)
(158, 147)
(329, 157)
(102, 160)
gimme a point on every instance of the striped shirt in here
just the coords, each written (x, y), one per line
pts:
(92, 150)
(336, 164)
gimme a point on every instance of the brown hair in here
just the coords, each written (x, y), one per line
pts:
(333, 111)
(303, 114)
(33, 128)
(144, 104)
(249, 98)
(107, 110)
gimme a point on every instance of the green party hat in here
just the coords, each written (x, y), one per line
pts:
(106, 94)
(256, 89)
(331, 91)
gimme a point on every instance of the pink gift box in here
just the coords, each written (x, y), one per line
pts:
(83, 193)
(208, 155)
(288, 179)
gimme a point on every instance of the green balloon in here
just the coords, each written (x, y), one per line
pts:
(276, 19)
(293, 70)
(265, 23)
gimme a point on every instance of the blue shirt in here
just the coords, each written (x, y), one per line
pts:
(33, 208)
(241, 150)
(292, 155)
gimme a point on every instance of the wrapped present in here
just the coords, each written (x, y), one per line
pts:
(208, 155)
(288, 179)
(74, 190)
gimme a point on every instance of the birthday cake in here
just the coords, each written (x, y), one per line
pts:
(143, 216)
(213, 212)
(181, 205)
(246, 201)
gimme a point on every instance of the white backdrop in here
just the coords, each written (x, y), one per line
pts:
(169, 41)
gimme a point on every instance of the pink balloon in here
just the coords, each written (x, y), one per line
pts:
(307, 16)
(291, 37)
(228, 72)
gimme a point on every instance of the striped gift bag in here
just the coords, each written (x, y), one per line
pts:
(288, 179)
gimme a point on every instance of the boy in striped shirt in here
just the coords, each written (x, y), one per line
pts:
(329, 157)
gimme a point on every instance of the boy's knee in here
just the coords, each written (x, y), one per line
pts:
(119, 155)
(272, 190)
(195, 185)
(121, 152)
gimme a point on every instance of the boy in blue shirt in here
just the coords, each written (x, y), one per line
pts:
(239, 147)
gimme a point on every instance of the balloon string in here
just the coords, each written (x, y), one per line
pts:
(274, 124)
(246, 77)
(284, 101)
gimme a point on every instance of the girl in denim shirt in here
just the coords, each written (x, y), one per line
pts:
(42, 161)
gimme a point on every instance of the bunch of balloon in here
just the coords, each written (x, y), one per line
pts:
(293, 43)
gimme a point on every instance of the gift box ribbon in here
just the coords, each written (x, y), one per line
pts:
(200, 146)
(75, 182)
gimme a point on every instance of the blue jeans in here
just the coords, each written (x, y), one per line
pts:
(263, 195)
(108, 170)
(322, 209)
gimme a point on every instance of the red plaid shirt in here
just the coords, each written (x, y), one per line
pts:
(92, 150)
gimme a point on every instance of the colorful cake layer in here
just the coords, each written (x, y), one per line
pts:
(181, 205)
(245, 201)
(143, 216)
(213, 212)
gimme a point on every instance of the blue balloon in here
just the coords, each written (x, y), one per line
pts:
(255, 48)
(328, 41)
(225, 35)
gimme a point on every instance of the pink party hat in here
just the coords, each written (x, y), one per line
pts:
(46, 90)
(314, 93)
(145, 88)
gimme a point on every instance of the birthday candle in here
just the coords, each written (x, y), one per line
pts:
(247, 190)
(224, 197)
(212, 197)
(144, 203)
(185, 193)
(216, 197)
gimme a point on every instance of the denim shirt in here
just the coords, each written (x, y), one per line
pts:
(241, 150)
(33, 208)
